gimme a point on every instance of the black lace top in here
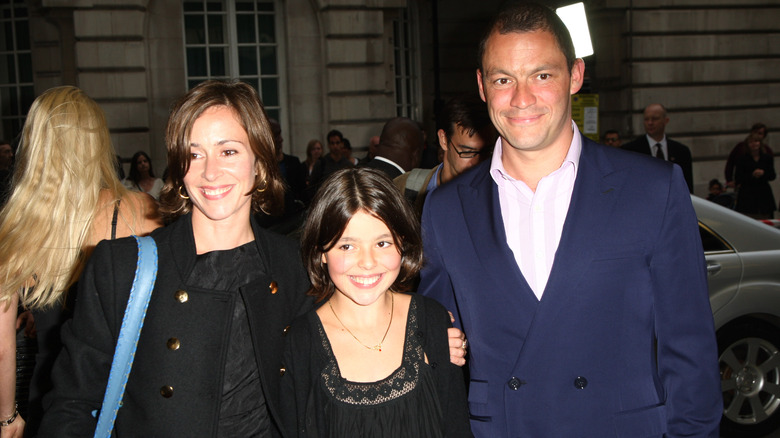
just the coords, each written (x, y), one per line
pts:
(404, 404)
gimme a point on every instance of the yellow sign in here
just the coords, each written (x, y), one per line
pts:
(585, 112)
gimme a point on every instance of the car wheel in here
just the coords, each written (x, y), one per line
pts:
(750, 379)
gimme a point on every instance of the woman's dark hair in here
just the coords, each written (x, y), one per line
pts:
(343, 194)
(134, 175)
(242, 99)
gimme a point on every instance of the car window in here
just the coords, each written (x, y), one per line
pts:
(711, 241)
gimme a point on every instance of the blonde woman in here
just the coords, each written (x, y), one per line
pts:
(66, 198)
(313, 154)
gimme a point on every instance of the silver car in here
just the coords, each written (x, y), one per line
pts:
(743, 266)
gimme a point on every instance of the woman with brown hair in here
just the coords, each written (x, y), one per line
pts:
(753, 171)
(142, 177)
(207, 362)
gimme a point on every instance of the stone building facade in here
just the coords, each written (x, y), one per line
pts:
(353, 64)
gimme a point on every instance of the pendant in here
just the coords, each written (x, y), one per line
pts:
(377, 347)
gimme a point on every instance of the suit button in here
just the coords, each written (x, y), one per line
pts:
(514, 383)
(181, 296)
(166, 391)
(173, 344)
(286, 329)
(282, 370)
(273, 287)
(580, 382)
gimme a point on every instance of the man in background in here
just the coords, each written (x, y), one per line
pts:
(655, 142)
(399, 148)
(334, 160)
(466, 136)
(611, 138)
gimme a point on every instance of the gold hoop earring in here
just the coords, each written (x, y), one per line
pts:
(265, 186)
(182, 196)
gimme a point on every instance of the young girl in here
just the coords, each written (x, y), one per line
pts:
(371, 360)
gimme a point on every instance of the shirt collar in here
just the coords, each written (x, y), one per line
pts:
(499, 173)
(651, 141)
(400, 169)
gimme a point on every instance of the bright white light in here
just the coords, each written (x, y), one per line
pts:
(573, 16)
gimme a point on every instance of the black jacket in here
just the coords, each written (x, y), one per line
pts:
(303, 402)
(755, 194)
(678, 154)
(391, 171)
(201, 324)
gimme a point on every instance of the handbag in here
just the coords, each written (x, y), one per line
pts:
(133, 320)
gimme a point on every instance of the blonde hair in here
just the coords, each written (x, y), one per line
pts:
(63, 162)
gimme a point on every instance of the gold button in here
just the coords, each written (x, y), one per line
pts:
(181, 296)
(273, 287)
(166, 391)
(282, 370)
(286, 329)
(173, 344)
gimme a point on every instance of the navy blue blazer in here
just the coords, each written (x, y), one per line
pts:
(621, 344)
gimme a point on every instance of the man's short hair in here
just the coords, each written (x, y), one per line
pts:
(609, 131)
(467, 111)
(335, 132)
(522, 17)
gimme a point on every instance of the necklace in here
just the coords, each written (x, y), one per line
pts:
(377, 347)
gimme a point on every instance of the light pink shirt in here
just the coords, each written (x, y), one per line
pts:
(533, 221)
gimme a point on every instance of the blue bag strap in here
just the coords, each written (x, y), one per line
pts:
(143, 283)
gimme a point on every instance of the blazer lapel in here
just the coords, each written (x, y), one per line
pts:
(592, 204)
(488, 234)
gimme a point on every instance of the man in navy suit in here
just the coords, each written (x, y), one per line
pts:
(575, 269)
(656, 143)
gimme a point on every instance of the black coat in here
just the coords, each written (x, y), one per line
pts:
(755, 194)
(678, 154)
(201, 323)
(303, 400)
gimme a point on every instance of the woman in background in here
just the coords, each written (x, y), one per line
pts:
(66, 198)
(141, 176)
(372, 361)
(753, 171)
(313, 154)
(741, 149)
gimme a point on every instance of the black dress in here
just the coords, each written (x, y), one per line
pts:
(243, 409)
(404, 404)
(418, 399)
